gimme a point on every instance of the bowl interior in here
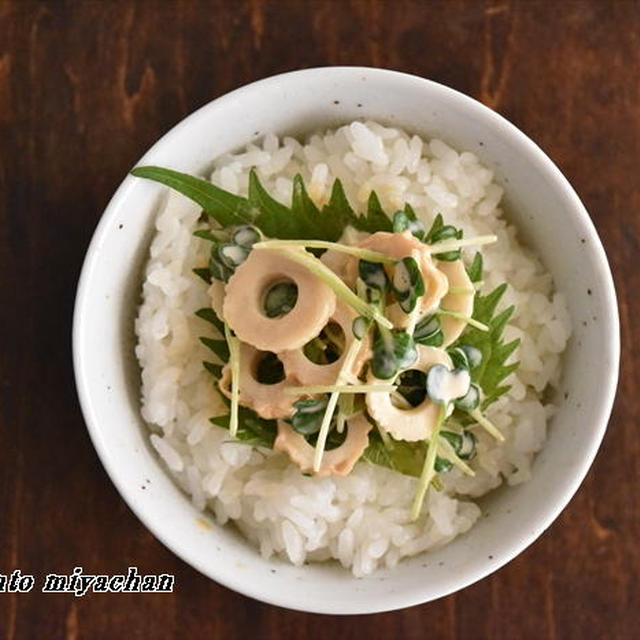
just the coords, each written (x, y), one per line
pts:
(551, 219)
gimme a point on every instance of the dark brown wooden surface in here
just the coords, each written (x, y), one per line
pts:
(86, 87)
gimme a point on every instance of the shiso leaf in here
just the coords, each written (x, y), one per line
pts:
(484, 306)
(209, 315)
(375, 219)
(214, 369)
(205, 234)
(437, 224)
(273, 218)
(474, 270)
(219, 347)
(492, 370)
(303, 209)
(404, 457)
(252, 429)
(337, 213)
(227, 209)
(203, 273)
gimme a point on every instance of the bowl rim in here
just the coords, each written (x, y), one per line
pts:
(612, 342)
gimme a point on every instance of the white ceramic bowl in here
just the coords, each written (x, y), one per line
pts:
(551, 219)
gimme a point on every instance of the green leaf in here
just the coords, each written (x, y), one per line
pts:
(400, 222)
(336, 214)
(279, 299)
(304, 210)
(404, 457)
(484, 306)
(492, 370)
(227, 209)
(309, 415)
(303, 221)
(474, 270)
(503, 350)
(373, 275)
(428, 332)
(209, 315)
(383, 362)
(252, 429)
(274, 219)
(206, 234)
(203, 273)
(409, 211)
(499, 322)
(439, 232)
(214, 369)
(416, 227)
(438, 223)
(404, 349)
(219, 347)
(375, 219)
(407, 283)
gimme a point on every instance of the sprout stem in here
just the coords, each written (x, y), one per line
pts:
(324, 430)
(414, 316)
(428, 470)
(452, 244)
(340, 388)
(364, 254)
(461, 316)
(489, 427)
(341, 420)
(460, 290)
(331, 405)
(386, 438)
(345, 409)
(234, 362)
(446, 451)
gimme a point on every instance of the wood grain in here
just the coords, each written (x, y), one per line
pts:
(86, 87)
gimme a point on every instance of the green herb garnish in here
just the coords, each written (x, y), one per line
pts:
(252, 429)
(302, 221)
(279, 299)
(408, 284)
(491, 371)
(209, 315)
(241, 224)
(219, 347)
(407, 220)
(439, 232)
(307, 418)
(428, 332)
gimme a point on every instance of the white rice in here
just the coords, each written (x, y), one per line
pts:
(362, 520)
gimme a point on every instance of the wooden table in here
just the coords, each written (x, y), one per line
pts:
(86, 87)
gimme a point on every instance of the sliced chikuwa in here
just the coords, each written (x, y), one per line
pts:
(312, 373)
(244, 301)
(410, 423)
(398, 246)
(267, 397)
(336, 462)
